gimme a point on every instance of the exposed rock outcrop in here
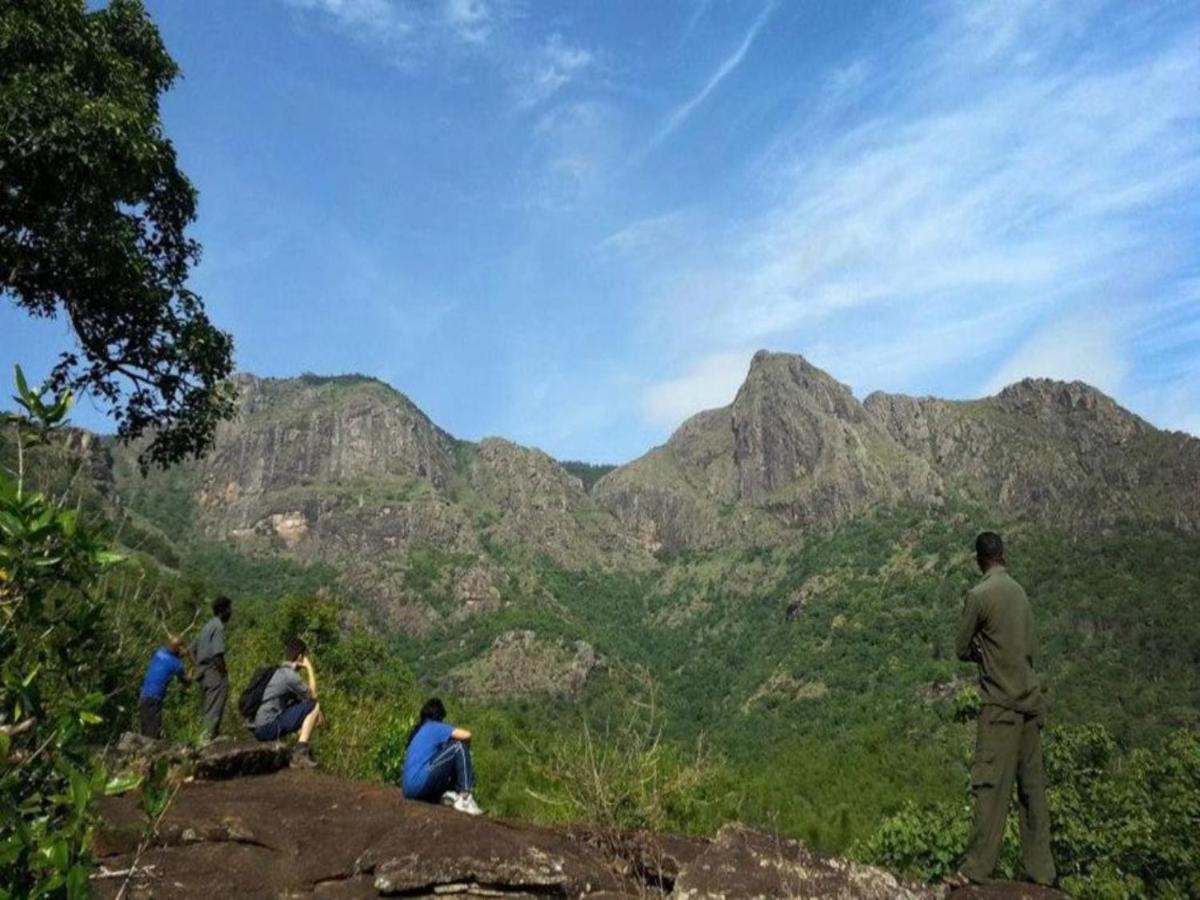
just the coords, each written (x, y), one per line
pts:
(519, 663)
(1062, 453)
(305, 834)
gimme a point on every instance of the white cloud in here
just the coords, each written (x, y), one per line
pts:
(554, 65)
(472, 20)
(381, 21)
(1002, 178)
(712, 382)
(575, 145)
(1071, 350)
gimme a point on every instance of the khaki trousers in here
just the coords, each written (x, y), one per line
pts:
(1008, 749)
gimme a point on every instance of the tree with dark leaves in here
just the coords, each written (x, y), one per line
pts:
(93, 218)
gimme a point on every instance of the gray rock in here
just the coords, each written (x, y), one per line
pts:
(744, 863)
(221, 760)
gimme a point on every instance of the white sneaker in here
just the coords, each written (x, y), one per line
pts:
(450, 798)
(466, 804)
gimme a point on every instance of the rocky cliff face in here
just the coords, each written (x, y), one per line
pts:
(349, 472)
(797, 449)
(1062, 453)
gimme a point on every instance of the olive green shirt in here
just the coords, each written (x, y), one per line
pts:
(996, 631)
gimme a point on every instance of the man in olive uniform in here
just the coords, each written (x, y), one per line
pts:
(208, 652)
(996, 632)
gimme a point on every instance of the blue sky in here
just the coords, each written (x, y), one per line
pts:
(571, 224)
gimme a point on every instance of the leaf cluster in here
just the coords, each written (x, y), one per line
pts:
(54, 671)
(94, 214)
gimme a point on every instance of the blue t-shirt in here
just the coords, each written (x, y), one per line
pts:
(429, 739)
(164, 666)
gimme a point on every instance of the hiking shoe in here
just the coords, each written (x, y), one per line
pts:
(450, 798)
(302, 758)
(466, 804)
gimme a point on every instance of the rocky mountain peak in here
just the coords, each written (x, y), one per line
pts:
(795, 426)
(793, 379)
(1071, 403)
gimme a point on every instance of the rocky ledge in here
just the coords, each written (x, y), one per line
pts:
(297, 833)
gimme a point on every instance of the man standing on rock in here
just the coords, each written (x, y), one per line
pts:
(996, 632)
(208, 652)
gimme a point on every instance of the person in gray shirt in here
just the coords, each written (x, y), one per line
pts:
(208, 652)
(289, 703)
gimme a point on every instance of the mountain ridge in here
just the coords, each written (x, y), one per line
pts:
(347, 471)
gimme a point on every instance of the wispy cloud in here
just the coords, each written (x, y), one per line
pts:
(575, 145)
(683, 112)
(556, 63)
(472, 20)
(376, 21)
(534, 66)
(1014, 182)
(710, 383)
(1075, 349)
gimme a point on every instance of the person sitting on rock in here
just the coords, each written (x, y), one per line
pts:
(289, 705)
(165, 664)
(437, 761)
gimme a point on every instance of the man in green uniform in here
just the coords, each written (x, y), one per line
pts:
(996, 632)
(208, 652)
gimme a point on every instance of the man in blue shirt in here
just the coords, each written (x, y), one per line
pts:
(164, 665)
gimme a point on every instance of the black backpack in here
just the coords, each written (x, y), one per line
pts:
(252, 696)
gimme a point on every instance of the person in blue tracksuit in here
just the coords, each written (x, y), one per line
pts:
(437, 762)
(166, 664)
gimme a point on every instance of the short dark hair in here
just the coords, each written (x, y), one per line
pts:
(222, 605)
(294, 648)
(989, 547)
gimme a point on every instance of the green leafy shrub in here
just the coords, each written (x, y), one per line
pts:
(57, 677)
(1124, 824)
(625, 776)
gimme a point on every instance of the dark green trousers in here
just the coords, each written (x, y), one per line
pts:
(1008, 750)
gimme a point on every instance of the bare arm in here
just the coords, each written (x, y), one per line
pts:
(311, 672)
(460, 734)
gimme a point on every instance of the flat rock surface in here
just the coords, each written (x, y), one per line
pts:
(306, 834)
(743, 863)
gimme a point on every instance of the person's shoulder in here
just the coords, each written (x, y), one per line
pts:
(1009, 583)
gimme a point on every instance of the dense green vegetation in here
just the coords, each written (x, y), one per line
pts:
(1125, 823)
(57, 673)
(839, 716)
